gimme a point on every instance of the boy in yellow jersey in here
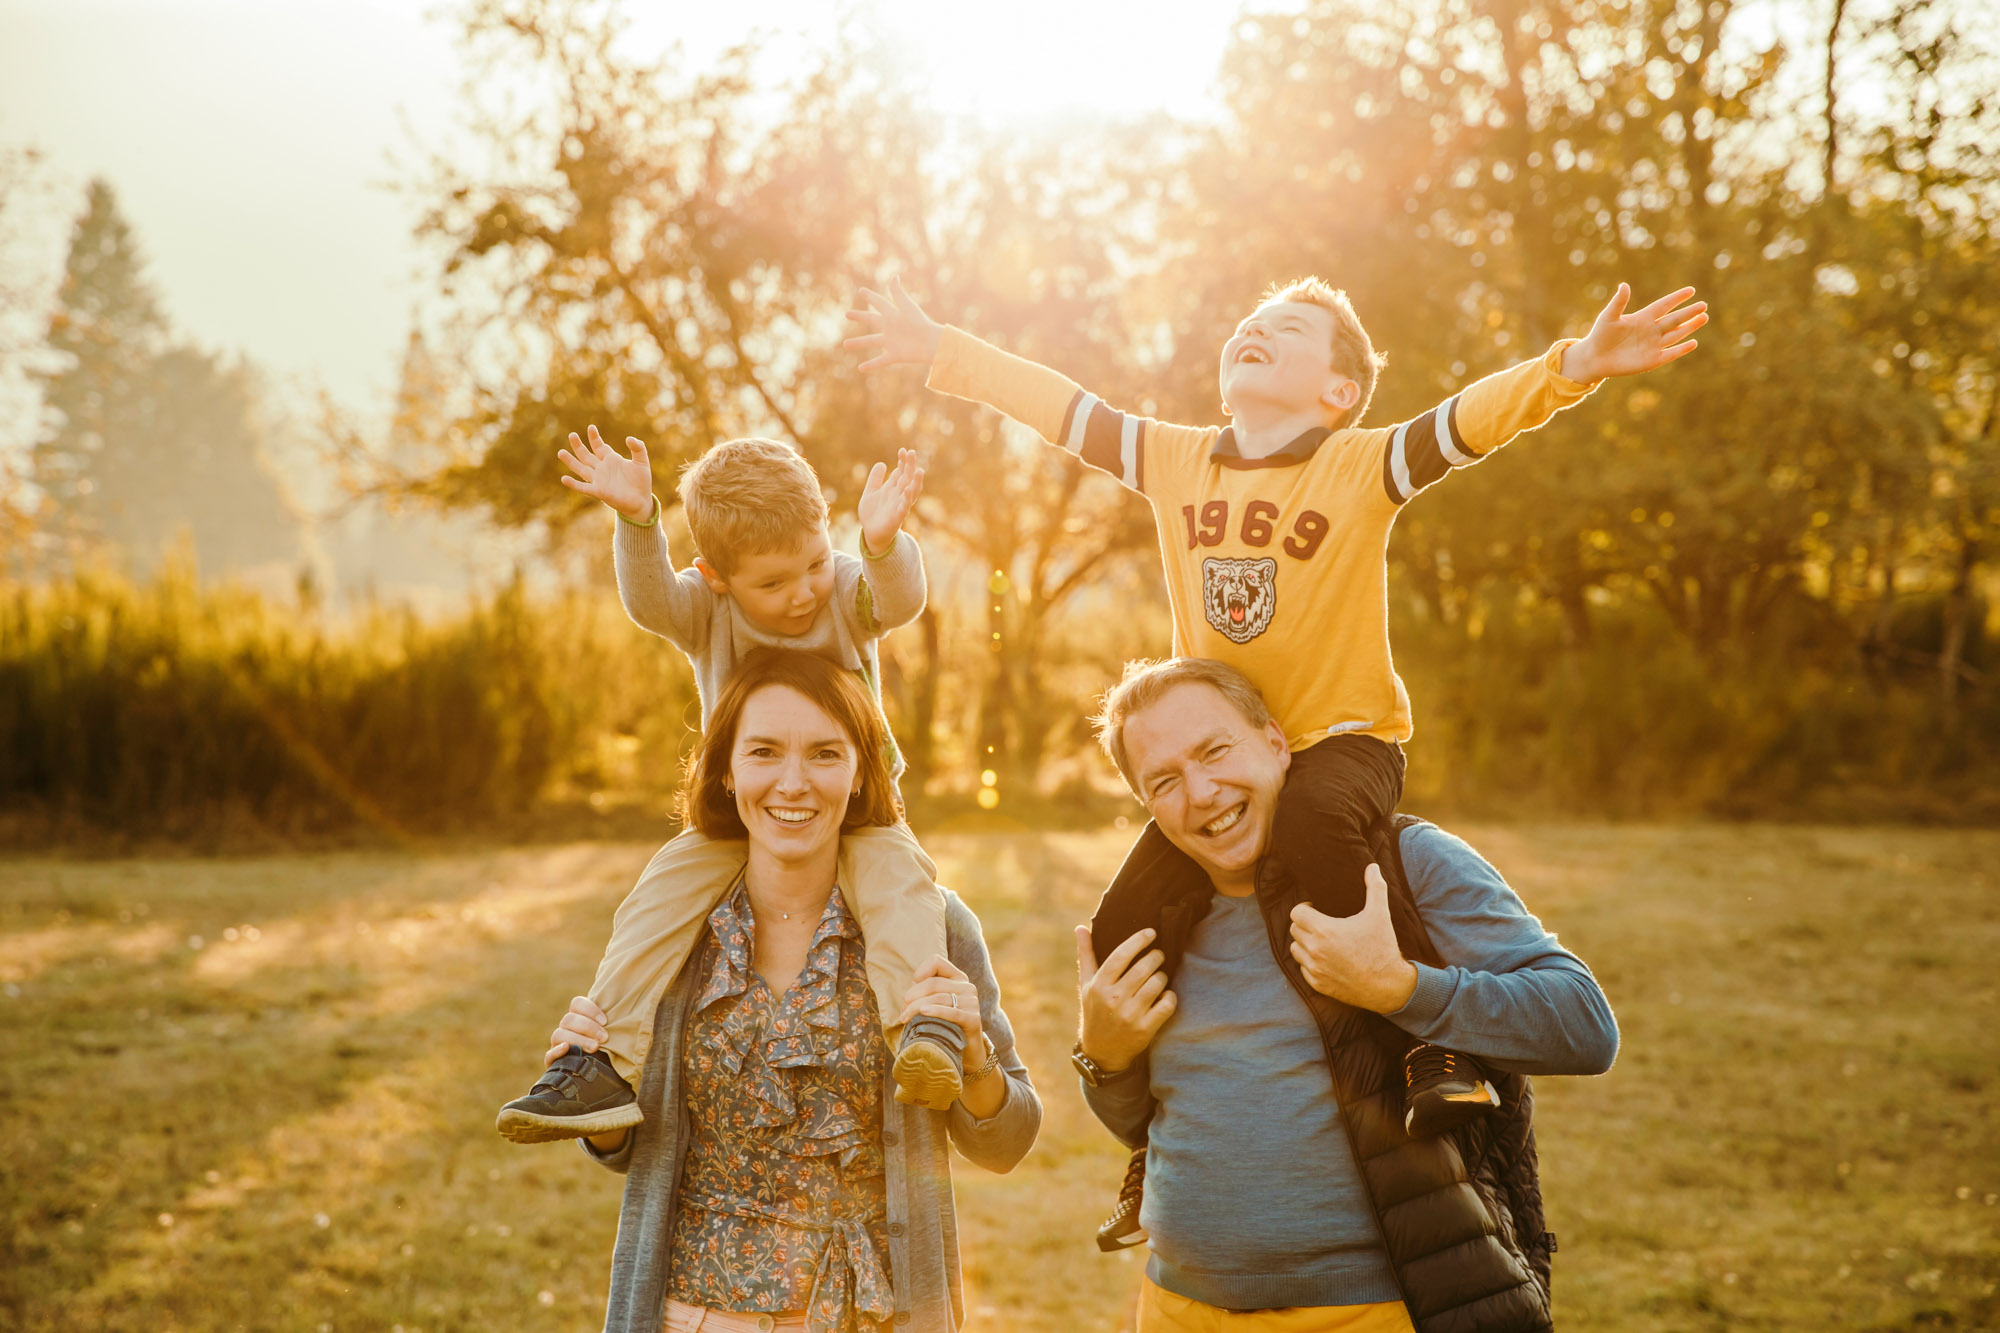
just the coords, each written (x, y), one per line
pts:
(1273, 533)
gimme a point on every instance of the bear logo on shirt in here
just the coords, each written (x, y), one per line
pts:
(1239, 596)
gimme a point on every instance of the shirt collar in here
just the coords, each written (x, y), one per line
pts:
(733, 918)
(1226, 452)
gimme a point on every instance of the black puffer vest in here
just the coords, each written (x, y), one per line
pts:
(1461, 1213)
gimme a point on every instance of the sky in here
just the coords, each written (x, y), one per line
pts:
(252, 142)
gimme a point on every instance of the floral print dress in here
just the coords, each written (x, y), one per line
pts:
(783, 1205)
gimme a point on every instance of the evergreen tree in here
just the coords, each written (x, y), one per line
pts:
(155, 438)
(107, 327)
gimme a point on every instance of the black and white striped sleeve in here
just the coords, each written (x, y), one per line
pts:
(1106, 439)
(1422, 450)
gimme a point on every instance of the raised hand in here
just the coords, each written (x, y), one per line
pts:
(1632, 344)
(626, 484)
(898, 332)
(886, 499)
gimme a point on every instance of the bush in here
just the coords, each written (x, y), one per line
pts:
(1511, 719)
(172, 710)
(168, 711)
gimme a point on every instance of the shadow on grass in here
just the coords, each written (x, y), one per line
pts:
(291, 1129)
(290, 1125)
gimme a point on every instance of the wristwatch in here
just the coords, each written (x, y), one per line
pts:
(1094, 1074)
(992, 1062)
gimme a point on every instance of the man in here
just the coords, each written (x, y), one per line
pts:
(1266, 1082)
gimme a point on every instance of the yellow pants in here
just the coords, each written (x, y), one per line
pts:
(888, 882)
(1161, 1311)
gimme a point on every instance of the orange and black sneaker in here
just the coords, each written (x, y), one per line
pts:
(1443, 1089)
(1122, 1229)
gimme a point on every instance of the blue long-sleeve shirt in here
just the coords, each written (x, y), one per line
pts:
(1234, 1096)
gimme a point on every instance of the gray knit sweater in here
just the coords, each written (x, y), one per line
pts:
(1253, 1198)
(923, 1228)
(870, 598)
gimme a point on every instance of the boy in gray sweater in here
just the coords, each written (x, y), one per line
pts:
(766, 575)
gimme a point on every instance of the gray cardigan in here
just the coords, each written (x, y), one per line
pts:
(923, 1229)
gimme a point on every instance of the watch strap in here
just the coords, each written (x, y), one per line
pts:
(992, 1061)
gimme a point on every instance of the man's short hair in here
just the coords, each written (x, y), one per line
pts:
(746, 497)
(1146, 679)
(1353, 354)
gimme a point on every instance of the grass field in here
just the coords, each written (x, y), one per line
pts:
(258, 1094)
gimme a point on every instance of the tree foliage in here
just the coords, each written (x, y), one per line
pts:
(666, 252)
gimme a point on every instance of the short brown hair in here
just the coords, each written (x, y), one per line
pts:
(1146, 680)
(705, 800)
(744, 497)
(1353, 355)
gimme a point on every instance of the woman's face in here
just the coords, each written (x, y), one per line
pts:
(793, 769)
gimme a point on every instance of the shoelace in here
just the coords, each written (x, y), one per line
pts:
(1428, 1064)
(1135, 1178)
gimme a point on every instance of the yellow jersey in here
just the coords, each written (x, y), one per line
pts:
(1275, 565)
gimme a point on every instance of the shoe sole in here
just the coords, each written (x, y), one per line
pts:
(532, 1127)
(1468, 1108)
(1130, 1240)
(926, 1076)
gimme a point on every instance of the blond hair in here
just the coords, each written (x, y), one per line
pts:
(1145, 680)
(745, 497)
(1353, 355)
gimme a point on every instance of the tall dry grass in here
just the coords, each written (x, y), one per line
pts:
(215, 715)
(1514, 719)
(172, 709)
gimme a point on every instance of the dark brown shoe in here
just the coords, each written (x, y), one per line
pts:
(1122, 1230)
(1442, 1090)
(579, 1095)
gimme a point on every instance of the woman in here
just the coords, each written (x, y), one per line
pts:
(776, 1183)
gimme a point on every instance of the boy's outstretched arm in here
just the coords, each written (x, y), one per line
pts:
(898, 332)
(1483, 416)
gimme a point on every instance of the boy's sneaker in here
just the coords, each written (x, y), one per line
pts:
(929, 1072)
(1443, 1089)
(1122, 1230)
(578, 1095)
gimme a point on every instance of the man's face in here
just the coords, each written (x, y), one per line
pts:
(1281, 358)
(781, 592)
(1209, 777)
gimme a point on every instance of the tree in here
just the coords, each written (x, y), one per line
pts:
(155, 438)
(1479, 173)
(108, 328)
(663, 255)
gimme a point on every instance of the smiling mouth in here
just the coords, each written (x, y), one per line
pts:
(1253, 355)
(793, 817)
(1225, 821)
